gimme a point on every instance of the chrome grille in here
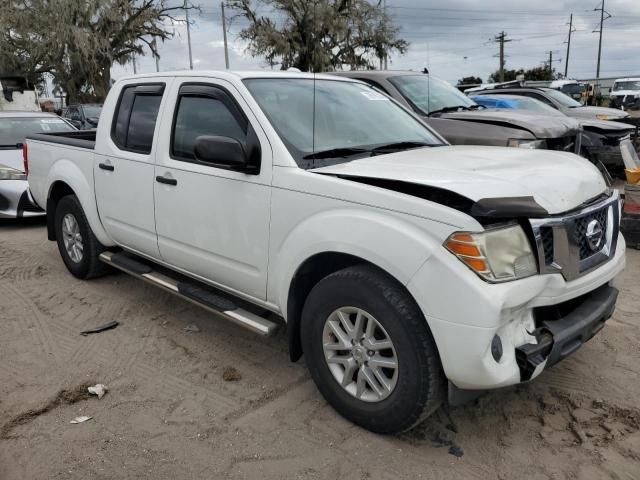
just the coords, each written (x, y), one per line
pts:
(562, 242)
(580, 231)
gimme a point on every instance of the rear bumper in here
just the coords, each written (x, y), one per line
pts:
(16, 200)
(562, 329)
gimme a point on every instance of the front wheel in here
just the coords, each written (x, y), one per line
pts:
(370, 350)
(77, 244)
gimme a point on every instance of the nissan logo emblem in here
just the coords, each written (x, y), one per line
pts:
(594, 235)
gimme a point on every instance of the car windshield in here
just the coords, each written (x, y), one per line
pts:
(627, 85)
(14, 130)
(429, 94)
(562, 99)
(516, 102)
(92, 111)
(335, 120)
(573, 88)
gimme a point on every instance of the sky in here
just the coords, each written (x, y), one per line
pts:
(453, 38)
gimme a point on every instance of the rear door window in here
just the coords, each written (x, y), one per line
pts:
(136, 115)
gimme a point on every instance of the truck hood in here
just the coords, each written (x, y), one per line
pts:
(556, 181)
(12, 158)
(540, 126)
(622, 93)
(587, 111)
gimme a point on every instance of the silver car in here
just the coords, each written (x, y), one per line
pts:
(15, 199)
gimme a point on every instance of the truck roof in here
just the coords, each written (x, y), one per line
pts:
(234, 74)
(628, 79)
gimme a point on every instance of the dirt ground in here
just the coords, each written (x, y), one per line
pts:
(175, 408)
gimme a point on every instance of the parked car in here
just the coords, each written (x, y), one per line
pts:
(602, 140)
(15, 200)
(625, 94)
(462, 121)
(555, 99)
(572, 88)
(83, 116)
(397, 262)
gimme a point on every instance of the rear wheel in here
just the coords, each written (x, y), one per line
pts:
(77, 244)
(370, 351)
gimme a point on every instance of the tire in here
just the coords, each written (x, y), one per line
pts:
(419, 387)
(87, 265)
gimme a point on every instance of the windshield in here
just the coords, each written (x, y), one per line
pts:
(516, 102)
(349, 118)
(628, 85)
(92, 111)
(429, 94)
(562, 99)
(573, 88)
(13, 130)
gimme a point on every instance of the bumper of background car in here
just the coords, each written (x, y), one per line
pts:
(16, 201)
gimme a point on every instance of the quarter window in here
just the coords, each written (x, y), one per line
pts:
(202, 115)
(135, 118)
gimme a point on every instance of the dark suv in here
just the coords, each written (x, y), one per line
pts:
(83, 116)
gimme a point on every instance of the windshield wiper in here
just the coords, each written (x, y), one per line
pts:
(476, 107)
(400, 146)
(450, 109)
(342, 152)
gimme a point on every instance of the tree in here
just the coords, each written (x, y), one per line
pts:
(541, 73)
(469, 80)
(318, 35)
(509, 75)
(78, 41)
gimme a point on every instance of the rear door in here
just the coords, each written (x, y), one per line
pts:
(212, 222)
(124, 166)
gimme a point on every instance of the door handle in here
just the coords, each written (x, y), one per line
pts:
(105, 166)
(166, 181)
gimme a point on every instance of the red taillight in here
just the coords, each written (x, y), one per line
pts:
(25, 159)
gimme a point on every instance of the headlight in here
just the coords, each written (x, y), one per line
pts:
(497, 255)
(8, 173)
(602, 117)
(520, 143)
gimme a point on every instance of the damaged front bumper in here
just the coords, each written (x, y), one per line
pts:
(16, 200)
(562, 329)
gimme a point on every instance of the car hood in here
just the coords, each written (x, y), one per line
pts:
(587, 111)
(12, 158)
(546, 126)
(557, 181)
(607, 126)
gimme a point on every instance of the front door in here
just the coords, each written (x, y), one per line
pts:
(212, 222)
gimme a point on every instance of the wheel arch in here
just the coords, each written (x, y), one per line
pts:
(66, 179)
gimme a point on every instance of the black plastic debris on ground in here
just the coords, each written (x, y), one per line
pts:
(101, 328)
(456, 451)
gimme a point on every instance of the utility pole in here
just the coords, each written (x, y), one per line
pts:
(186, 12)
(602, 19)
(501, 39)
(384, 12)
(550, 62)
(224, 34)
(133, 60)
(566, 60)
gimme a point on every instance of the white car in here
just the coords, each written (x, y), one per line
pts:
(404, 269)
(15, 200)
(625, 94)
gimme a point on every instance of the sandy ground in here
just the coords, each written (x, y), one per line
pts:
(170, 414)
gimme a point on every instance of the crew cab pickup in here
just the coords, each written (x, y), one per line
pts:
(405, 270)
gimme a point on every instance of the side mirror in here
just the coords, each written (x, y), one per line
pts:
(221, 152)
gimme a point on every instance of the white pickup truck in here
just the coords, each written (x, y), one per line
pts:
(405, 270)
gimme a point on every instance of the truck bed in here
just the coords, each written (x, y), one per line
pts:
(82, 138)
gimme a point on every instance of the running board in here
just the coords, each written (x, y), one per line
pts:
(192, 291)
